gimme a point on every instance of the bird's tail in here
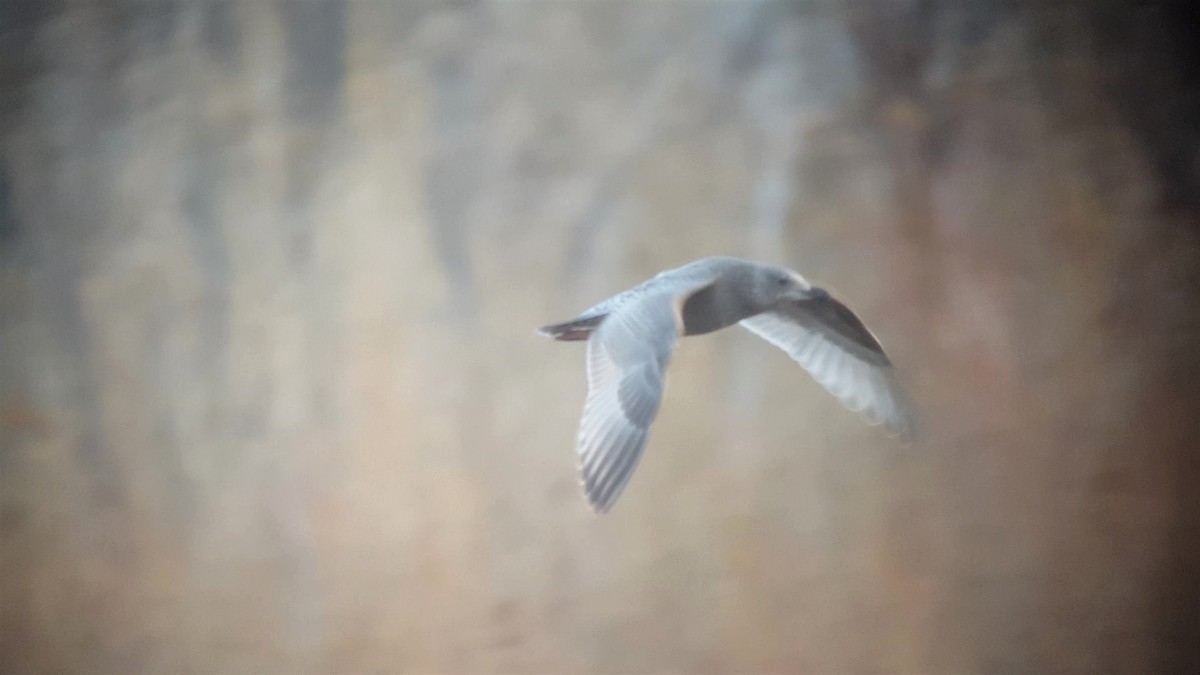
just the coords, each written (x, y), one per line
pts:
(573, 330)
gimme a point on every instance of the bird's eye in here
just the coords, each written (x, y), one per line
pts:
(782, 281)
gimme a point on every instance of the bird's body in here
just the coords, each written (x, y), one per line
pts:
(630, 337)
(697, 273)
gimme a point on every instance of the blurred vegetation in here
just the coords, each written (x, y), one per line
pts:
(270, 399)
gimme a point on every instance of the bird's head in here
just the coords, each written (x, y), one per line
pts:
(773, 285)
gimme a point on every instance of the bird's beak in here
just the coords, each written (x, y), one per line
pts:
(814, 293)
(802, 288)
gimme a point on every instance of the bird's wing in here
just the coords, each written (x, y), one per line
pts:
(626, 365)
(834, 346)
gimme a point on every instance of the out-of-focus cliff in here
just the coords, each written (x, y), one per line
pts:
(270, 397)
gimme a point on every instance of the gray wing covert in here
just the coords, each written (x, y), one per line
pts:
(667, 281)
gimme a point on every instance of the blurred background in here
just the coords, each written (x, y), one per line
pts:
(271, 400)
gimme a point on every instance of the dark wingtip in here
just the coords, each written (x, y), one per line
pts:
(599, 506)
(588, 491)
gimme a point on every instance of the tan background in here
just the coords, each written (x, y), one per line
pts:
(270, 399)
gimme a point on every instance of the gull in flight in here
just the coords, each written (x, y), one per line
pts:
(630, 337)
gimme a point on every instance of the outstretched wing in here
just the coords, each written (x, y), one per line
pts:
(627, 359)
(834, 346)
